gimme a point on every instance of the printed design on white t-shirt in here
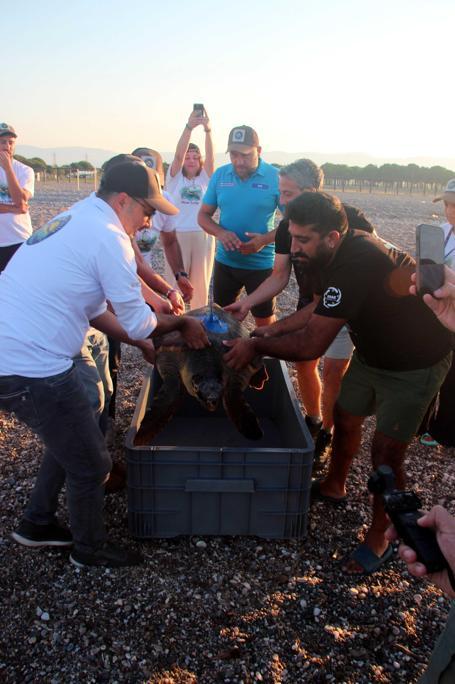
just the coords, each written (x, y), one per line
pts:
(191, 193)
(331, 297)
(5, 197)
(49, 228)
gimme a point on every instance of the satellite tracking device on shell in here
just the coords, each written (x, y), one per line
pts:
(198, 109)
(429, 258)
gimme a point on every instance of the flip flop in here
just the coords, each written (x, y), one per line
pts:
(317, 495)
(367, 559)
(427, 440)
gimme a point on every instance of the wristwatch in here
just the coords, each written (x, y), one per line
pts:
(177, 275)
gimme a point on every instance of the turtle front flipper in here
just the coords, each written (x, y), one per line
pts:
(163, 406)
(240, 412)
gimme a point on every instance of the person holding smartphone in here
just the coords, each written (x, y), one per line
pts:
(440, 422)
(186, 182)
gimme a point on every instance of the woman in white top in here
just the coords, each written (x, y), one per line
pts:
(186, 182)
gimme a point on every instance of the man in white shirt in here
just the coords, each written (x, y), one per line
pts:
(56, 286)
(17, 183)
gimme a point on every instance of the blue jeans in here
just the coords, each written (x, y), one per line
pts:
(92, 364)
(58, 410)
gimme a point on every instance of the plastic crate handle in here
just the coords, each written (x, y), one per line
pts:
(220, 486)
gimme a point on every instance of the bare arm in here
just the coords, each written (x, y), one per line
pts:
(273, 285)
(108, 323)
(184, 141)
(303, 345)
(284, 326)
(229, 239)
(14, 208)
(19, 196)
(157, 282)
(209, 163)
(173, 253)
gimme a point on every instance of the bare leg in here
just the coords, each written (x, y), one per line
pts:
(384, 451)
(309, 386)
(332, 375)
(346, 443)
(268, 320)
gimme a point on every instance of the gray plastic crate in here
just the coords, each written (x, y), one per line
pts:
(201, 476)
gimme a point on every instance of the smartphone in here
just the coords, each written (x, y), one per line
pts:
(429, 258)
(198, 109)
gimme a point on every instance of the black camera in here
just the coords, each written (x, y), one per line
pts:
(403, 509)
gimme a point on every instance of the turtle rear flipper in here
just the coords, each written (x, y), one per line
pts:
(241, 413)
(163, 406)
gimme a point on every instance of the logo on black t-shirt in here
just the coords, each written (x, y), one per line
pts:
(331, 297)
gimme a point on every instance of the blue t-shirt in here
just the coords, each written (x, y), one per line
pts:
(245, 206)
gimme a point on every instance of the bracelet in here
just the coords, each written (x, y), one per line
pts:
(177, 275)
(169, 292)
(188, 127)
(208, 130)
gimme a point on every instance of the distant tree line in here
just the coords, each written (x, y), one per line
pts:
(386, 178)
(57, 172)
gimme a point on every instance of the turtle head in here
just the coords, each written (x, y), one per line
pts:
(207, 390)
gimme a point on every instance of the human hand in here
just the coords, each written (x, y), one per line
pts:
(194, 120)
(240, 354)
(229, 240)
(440, 520)
(237, 309)
(5, 160)
(205, 121)
(194, 333)
(442, 302)
(254, 245)
(186, 288)
(161, 305)
(265, 331)
(176, 302)
(148, 349)
(19, 209)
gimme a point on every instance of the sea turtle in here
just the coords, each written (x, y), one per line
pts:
(204, 375)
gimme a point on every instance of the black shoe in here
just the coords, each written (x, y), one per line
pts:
(108, 556)
(323, 442)
(32, 535)
(313, 426)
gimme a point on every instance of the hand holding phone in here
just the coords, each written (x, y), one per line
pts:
(429, 258)
(198, 109)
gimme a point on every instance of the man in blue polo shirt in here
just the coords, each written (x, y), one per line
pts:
(247, 194)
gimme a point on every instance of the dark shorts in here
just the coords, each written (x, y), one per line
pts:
(6, 253)
(399, 399)
(228, 282)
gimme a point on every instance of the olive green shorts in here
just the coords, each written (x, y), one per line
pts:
(399, 399)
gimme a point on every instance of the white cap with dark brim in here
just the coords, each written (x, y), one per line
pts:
(449, 193)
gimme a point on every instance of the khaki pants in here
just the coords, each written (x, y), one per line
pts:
(198, 252)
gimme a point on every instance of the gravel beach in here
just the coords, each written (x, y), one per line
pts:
(230, 609)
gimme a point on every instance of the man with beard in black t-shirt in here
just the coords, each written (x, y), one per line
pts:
(402, 352)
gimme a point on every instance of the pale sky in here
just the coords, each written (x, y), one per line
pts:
(351, 76)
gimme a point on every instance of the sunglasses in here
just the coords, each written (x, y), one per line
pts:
(148, 210)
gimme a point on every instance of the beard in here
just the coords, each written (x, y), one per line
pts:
(314, 264)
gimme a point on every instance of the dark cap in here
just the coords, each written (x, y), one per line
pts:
(137, 180)
(6, 129)
(152, 159)
(357, 219)
(242, 139)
